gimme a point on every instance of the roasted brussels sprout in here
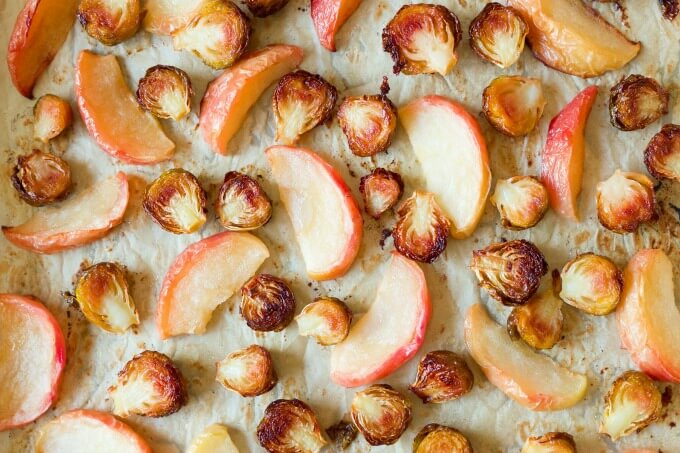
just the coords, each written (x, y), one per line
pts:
(104, 298)
(513, 104)
(381, 189)
(442, 376)
(267, 303)
(51, 116)
(218, 34)
(177, 202)
(264, 8)
(248, 372)
(497, 34)
(435, 438)
(368, 122)
(632, 404)
(342, 434)
(381, 414)
(41, 178)
(110, 21)
(290, 426)
(241, 203)
(327, 319)
(550, 443)
(636, 102)
(422, 39)
(301, 102)
(150, 385)
(625, 201)
(166, 92)
(662, 155)
(522, 201)
(510, 271)
(422, 228)
(591, 283)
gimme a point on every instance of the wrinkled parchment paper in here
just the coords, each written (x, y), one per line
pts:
(493, 422)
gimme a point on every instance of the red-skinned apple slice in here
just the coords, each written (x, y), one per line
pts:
(32, 359)
(531, 379)
(449, 145)
(392, 330)
(202, 277)
(77, 221)
(562, 158)
(326, 219)
(231, 95)
(85, 431)
(647, 316)
(328, 16)
(163, 17)
(113, 116)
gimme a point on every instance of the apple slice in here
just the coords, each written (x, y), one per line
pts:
(164, 17)
(202, 277)
(214, 439)
(113, 116)
(77, 221)
(451, 150)
(231, 95)
(562, 158)
(39, 32)
(572, 37)
(32, 359)
(85, 431)
(647, 316)
(532, 379)
(328, 16)
(392, 330)
(326, 219)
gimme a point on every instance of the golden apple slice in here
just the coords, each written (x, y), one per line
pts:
(78, 221)
(531, 379)
(113, 116)
(164, 17)
(451, 150)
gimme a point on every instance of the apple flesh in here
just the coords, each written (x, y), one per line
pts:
(326, 219)
(78, 221)
(647, 316)
(214, 439)
(164, 17)
(231, 95)
(202, 277)
(563, 155)
(531, 379)
(449, 145)
(328, 16)
(391, 332)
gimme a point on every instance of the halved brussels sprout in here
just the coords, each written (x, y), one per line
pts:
(51, 116)
(301, 102)
(636, 102)
(342, 434)
(497, 34)
(625, 201)
(422, 228)
(422, 39)
(435, 438)
(510, 271)
(442, 376)
(166, 92)
(218, 34)
(327, 319)
(381, 189)
(150, 385)
(591, 283)
(290, 426)
(632, 404)
(662, 155)
(242, 204)
(110, 21)
(368, 122)
(267, 303)
(522, 201)
(177, 202)
(381, 414)
(513, 104)
(670, 9)
(550, 443)
(41, 178)
(264, 8)
(104, 298)
(248, 372)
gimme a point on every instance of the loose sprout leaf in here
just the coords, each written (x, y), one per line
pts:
(513, 104)
(442, 376)
(636, 102)
(249, 371)
(434, 438)
(625, 201)
(368, 122)
(342, 434)
(662, 155)
(267, 303)
(591, 283)
(241, 204)
(51, 116)
(497, 34)
(41, 178)
(166, 92)
(110, 21)
(326, 319)
(290, 426)
(522, 201)
(422, 230)
(381, 189)
(381, 414)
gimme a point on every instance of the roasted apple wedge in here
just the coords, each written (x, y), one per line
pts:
(225, 260)
(164, 17)
(112, 115)
(81, 219)
(326, 219)
(380, 342)
(31, 362)
(328, 16)
(504, 362)
(214, 439)
(449, 145)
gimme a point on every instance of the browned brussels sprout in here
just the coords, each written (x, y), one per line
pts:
(522, 201)
(368, 122)
(550, 443)
(241, 203)
(51, 116)
(290, 426)
(625, 201)
(248, 372)
(264, 8)
(166, 92)
(110, 21)
(41, 178)
(422, 229)
(513, 104)
(442, 376)
(267, 303)
(327, 319)
(592, 283)
(636, 102)
(497, 34)
(381, 189)
(381, 414)
(662, 155)
(435, 438)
